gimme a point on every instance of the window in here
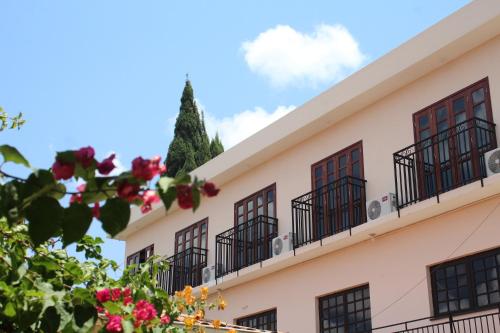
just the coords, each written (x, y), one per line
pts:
(346, 311)
(451, 159)
(262, 202)
(262, 321)
(466, 284)
(193, 236)
(347, 162)
(140, 256)
(338, 201)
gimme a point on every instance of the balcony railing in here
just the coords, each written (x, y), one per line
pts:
(328, 210)
(245, 244)
(442, 162)
(484, 323)
(184, 269)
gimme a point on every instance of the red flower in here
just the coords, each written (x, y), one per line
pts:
(63, 170)
(78, 197)
(127, 300)
(184, 196)
(209, 189)
(148, 198)
(107, 165)
(116, 294)
(165, 319)
(128, 191)
(96, 210)
(103, 295)
(127, 292)
(144, 311)
(85, 156)
(114, 324)
(99, 309)
(147, 169)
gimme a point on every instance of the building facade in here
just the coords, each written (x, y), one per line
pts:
(417, 123)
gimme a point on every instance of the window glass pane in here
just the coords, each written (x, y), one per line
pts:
(329, 166)
(478, 96)
(262, 321)
(442, 113)
(459, 105)
(423, 121)
(480, 111)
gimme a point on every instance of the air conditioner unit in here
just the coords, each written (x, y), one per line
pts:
(492, 161)
(282, 244)
(382, 206)
(208, 273)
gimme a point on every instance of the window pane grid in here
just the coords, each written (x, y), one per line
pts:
(466, 284)
(262, 321)
(347, 311)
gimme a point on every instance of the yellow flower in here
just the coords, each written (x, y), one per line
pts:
(200, 314)
(188, 322)
(216, 323)
(190, 300)
(179, 294)
(221, 305)
(204, 293)
(232, 330)
(187, 290)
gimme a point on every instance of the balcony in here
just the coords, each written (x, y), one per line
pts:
(244, 245)
(475, 323)
(328, 210)
(443, 162)
(184, 269)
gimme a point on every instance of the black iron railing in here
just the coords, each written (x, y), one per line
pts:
(184, 269)
(328, 210)
(484, 323)
(442, 162)
(245, 244)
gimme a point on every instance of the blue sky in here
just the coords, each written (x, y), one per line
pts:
(110, 73)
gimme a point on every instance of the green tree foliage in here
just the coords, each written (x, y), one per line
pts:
(216, 147)
(190, 143)
(10, 122)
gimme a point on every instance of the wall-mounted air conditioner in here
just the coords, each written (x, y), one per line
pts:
(384, 205)
(208, 273)
(282, 244)
(492, 161)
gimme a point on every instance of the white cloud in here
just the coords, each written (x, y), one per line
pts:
(286, 56)
(240, 126)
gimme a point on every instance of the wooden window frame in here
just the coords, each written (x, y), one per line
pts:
(471, 282)
(345, 302)
(253, 196)
(146, 252)
(268, 314)
(344, 151)
(191, 228)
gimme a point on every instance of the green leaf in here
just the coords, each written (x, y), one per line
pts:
(76, 222)
(44, 216)
(127, 325)
(115, 215)
(11, 154)
(164, 184)
(168, 197)
(183, 178)
(38, 180)
(98, 189)
(83, 313)
(50, 320)
(196, 198)
(87, 173)
(48, 263)
(9, 310)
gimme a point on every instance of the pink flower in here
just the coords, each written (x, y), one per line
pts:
(147, 169)
(165, 319)
(77, 197)
(144, 311)
(209, 189)
(107, 165)
(85, 156)
(103, 295)
(184, 196)
(148, 198)
(63, 170)
(116, 294)
(99, 309)
(96, 210)
(114, 323)
(128, 191)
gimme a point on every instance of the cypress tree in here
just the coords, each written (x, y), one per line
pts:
(216, 146)
(190, 146)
